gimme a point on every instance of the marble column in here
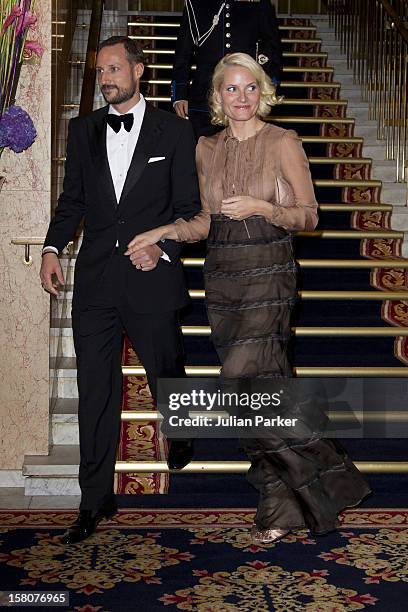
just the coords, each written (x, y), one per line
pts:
(24, 307)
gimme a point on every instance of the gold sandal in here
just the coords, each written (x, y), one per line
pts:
(267, 536)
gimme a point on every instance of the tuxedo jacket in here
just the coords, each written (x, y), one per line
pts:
(154, 193)
(246, 26)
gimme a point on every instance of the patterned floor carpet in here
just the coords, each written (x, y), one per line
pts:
(203, 560)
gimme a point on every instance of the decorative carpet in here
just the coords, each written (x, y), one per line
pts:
(203, 560)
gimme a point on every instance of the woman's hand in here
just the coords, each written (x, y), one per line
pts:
(240, 207)
(146, 239)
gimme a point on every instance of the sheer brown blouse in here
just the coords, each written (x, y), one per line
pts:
(227, 166)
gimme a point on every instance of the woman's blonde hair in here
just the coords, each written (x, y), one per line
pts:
(268, 96)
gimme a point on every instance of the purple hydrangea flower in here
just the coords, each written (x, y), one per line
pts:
(17, 130)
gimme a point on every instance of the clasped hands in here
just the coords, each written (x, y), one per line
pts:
(239, 207)
(143, 257)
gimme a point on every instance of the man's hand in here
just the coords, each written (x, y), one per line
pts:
(145, 258)
(50, 265)
(240, 207)
(181, 108)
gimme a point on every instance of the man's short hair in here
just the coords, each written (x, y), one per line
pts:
(133, 50)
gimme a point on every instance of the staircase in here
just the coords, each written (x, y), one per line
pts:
(353, 314)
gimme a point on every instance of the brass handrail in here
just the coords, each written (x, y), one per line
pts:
(374, 37)
(29, 242)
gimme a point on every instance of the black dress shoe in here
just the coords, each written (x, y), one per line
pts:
(86, 523)
(181, 453)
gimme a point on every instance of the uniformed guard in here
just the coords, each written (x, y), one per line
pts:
(208, 31)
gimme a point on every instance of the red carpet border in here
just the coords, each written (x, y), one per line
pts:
(154, 518)
(139, 440)
(394, 312)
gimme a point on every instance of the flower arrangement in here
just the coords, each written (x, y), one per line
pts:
(17, 19)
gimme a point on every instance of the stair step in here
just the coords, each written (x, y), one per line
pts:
(300, 119)
(285, 69)
(282, 84)
(63, 409)
(67, 368)
(367, 129)
(346, 183)
(308, 70)
(297, 54)
(64, 430)
(285, 102)
(384, 170)
(346, 206)
(346, 80)
(64, 422)
(323, 159)
(198, 262)
(395, 193)
(61, 334)
(176, 24)
(399, 218)
(328, 139)
(342, 331)
(375, 149)
(147, 414)
(63, 460)
(341, 160)
(198, 294)
(55, 474)
(242, 467)
(160, 37)
(299, 371)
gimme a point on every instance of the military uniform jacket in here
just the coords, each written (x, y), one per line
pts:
(244, 25)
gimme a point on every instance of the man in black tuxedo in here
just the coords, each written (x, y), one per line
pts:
(208, 31)
(129, 168)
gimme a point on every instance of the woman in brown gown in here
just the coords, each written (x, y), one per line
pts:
(256, 190)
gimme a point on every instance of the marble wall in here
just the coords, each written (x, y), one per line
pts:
(24, 307)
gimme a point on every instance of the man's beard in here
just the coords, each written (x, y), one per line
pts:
(122, 95)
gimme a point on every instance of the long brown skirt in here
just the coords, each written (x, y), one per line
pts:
(250, 283)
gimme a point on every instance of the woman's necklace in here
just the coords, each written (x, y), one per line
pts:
(234, 190)
(230, 135)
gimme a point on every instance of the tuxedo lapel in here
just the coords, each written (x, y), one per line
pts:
(100, 156)
(149, 133)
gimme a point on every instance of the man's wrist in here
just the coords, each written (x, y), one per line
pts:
(49, 249)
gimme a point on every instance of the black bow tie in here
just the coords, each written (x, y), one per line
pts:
(115, 121)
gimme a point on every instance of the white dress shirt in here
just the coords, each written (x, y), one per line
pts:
(120, 147)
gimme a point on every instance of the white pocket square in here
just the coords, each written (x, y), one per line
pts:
(154, 159)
